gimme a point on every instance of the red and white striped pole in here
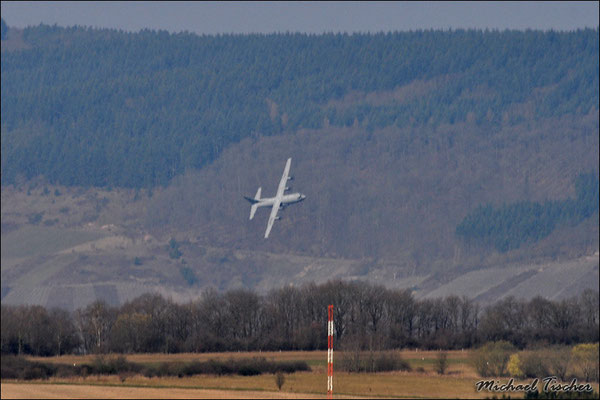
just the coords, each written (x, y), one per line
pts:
(330, 352)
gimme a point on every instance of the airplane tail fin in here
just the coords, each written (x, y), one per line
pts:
(257, 195)
(254, 202)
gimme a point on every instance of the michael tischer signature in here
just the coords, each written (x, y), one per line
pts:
(549, 384)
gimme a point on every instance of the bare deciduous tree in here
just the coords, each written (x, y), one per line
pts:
(441, 362)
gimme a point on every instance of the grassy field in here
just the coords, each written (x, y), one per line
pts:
(301, 384)
(421, 382)
(32, 241)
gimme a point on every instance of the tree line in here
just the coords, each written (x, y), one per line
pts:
(103, 107)
(366, 316)
(510, 225)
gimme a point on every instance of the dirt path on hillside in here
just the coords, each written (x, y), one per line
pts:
(46, 391)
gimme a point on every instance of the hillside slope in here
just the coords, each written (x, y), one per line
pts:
(125, 158)
(368, 216)
(390, 194)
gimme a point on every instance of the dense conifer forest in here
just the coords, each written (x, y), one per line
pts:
(512, 224)
(85, 106)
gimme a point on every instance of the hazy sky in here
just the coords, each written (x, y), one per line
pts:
(312, 17)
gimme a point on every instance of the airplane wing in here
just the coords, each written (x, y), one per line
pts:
(273, 215)
(284, 179)
(278, 197)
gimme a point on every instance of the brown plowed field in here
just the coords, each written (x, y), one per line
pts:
(49, 391)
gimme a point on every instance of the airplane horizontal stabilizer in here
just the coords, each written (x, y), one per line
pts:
(253, 210)
(254, 202)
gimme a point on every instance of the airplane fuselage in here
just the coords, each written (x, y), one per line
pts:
(285, 200)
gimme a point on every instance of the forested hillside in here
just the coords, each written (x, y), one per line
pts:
(513, 224)
(445, 162)
(107, 108)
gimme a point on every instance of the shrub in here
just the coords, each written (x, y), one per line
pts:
(9, 368)
(111, 366)
(248, 370)
(124, 375)
(540, 363)
(390, 361)
(51, 222)
(350, 361)
(15, 367)
(585, 358)
(491, 358)
(515, 366)
(219, 368)
(245, 367)
(289, 367)
(254, 366)
(163, 370)
(558, 362)
(34, 372)
(64, 371)
(194, 368)
(534, 364)
(120, 364)
(279, 379)
(358, 361)
(173, 249)
(441, 362)
(189, 275)
(35, 218)
(99, 365)
(149, 372)
(175, 253)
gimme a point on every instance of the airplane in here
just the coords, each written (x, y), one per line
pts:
(279, 202)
